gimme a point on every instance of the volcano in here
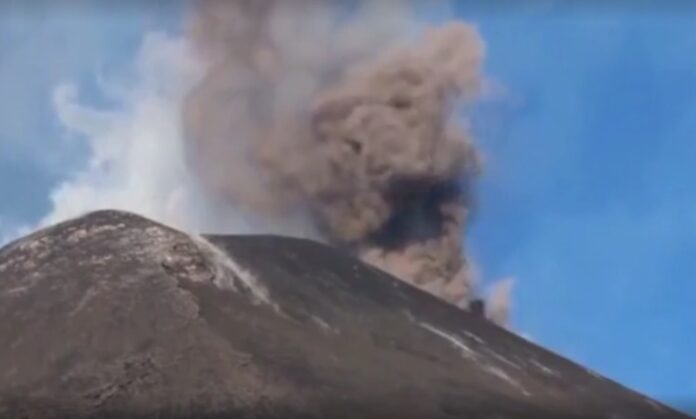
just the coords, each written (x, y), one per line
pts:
(112, 314)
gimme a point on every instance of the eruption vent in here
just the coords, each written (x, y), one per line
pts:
(344, 114)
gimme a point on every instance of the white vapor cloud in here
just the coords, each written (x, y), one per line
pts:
(136, 150)
(136, 157)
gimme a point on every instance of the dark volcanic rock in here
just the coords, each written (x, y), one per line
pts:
(115, 314)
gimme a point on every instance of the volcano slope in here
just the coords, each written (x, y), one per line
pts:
(114, 315)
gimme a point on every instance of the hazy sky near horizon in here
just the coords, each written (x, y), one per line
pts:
(587, 196)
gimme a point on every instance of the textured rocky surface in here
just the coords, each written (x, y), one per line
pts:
(115, 314)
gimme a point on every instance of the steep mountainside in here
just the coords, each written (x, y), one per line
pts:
(112, 313)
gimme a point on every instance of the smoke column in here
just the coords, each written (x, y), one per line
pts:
(343, 115)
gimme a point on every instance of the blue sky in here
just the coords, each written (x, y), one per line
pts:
(41, 47)
(587, 196)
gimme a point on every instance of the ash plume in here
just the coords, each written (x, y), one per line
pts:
(345, 113)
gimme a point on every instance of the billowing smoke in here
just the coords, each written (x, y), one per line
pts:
(344, 115)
